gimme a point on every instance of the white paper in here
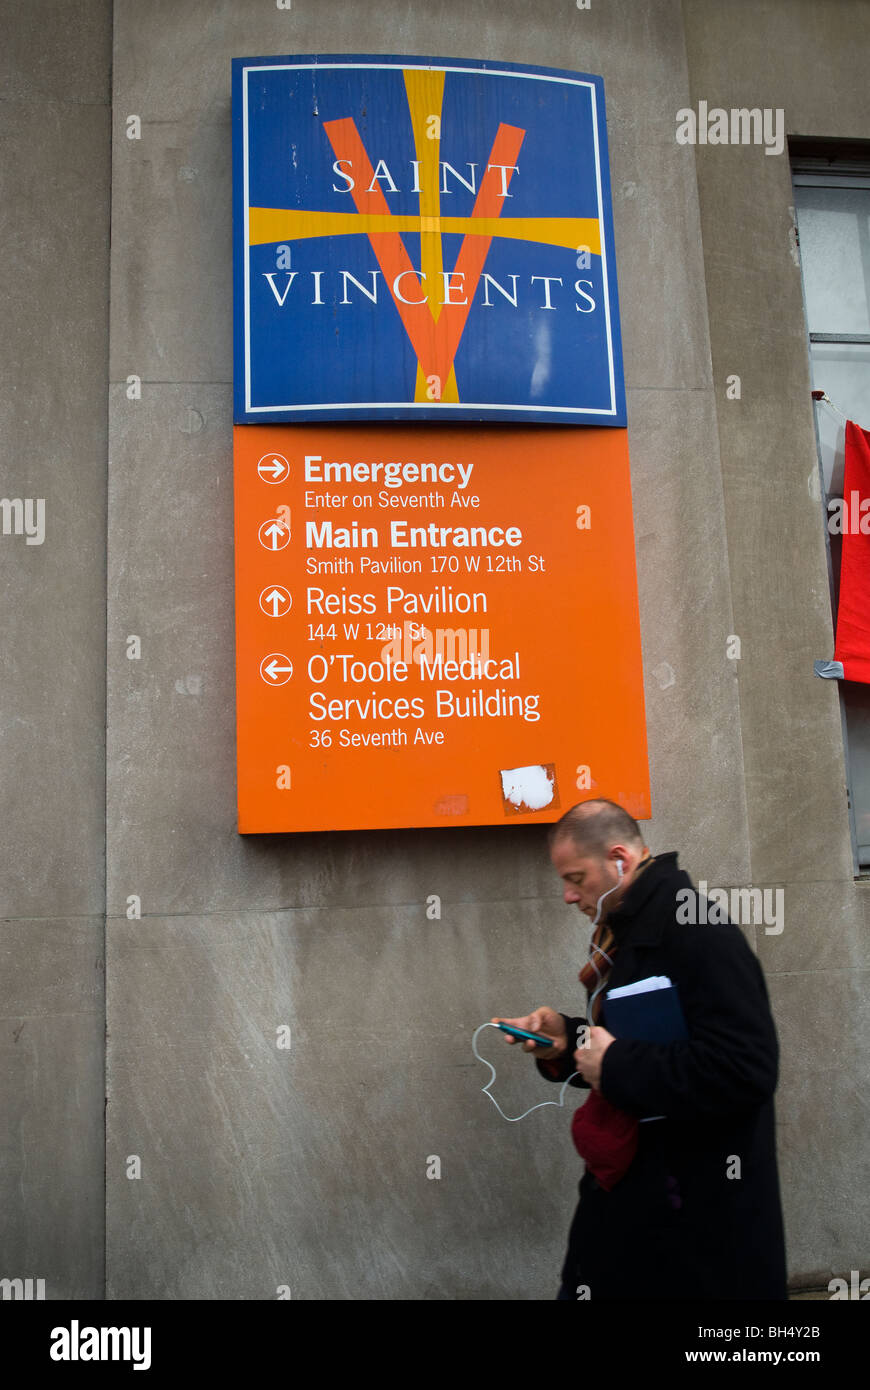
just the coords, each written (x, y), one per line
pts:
(640, 987)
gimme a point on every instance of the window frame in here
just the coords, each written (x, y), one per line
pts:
(836, 164)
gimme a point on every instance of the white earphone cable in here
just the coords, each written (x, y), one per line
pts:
(512, 1119)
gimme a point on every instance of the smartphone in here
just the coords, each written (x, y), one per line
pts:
(521, 1033)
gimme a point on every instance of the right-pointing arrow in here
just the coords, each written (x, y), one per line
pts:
(273, 468)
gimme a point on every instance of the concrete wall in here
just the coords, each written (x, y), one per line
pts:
(307, 1168)
(54, 280)
(797, 56)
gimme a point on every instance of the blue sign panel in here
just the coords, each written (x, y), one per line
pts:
(422, 239)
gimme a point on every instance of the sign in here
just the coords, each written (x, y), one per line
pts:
(434, 626)
(422, 239)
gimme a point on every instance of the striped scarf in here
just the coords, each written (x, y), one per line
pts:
(602, 949)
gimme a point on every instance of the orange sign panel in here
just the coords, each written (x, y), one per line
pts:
(434, 626)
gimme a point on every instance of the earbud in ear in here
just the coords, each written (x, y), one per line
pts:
(619, 868)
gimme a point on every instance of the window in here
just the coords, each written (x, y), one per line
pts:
(832, 207)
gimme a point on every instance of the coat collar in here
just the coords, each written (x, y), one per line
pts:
(630, 918)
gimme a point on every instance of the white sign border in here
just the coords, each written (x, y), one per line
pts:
(423, 405)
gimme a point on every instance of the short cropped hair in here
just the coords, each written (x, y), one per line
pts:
(594, 826)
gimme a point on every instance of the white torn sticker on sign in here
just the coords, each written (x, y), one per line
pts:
(528, 788)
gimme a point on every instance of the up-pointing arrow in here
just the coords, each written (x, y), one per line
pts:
(275, 530)
(275, 598)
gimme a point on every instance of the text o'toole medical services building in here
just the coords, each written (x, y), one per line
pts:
(415, 420)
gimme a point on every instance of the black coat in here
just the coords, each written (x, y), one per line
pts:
(677, 1225)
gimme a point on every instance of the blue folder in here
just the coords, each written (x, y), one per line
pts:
(654, 1016)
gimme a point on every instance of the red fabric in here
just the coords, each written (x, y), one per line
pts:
(853, 614)
(605, 1138)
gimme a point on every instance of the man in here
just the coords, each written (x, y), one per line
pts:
(685, 1205)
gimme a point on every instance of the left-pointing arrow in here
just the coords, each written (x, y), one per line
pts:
(276, 668)
(273, 668)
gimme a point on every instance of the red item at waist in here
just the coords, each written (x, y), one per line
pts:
(605, 1138)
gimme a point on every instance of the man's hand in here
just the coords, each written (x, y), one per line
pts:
(545, 1021)
(589, 1058)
